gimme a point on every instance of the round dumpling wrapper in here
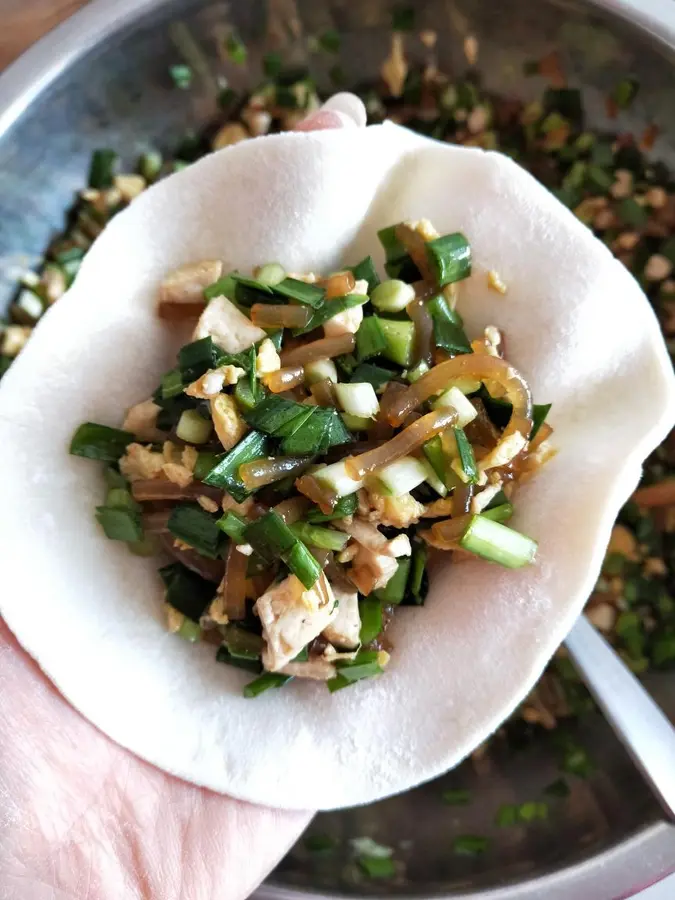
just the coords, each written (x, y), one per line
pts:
(577, 326)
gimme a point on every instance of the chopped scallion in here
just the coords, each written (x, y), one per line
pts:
(467, 468)
(309, 294)
(498, 543)
(234, 526)
(365, 271)
(394, 591)
(370, 610)
(370, 339)
(315, 536)
(120, 523)
(186, 591)
(102, 169)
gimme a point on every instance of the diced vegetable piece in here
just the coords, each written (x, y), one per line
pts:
(119, 523)
(264, 683)
(392, 296)
(416, 372)
(336, 478)
(455, 398)
(309, 294)
(365, 271)
(395, 589)
(401, 476)
(400, 338)
(186, 591)
(193, 427)
(498, 543)
(225, 473)
(271, 274)
(370, 610)
(100, 442)
(320, 370)
(466, 466)
(358, 399)
(346, 506)
(315, 536)
(190, 523)
(449, 331)
(449, 257)
(370, 338)
(205, 462)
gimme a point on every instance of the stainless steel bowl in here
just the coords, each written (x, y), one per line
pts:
(102, 80)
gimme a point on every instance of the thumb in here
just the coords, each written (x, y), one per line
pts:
(342, 110)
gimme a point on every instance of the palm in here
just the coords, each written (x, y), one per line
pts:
(83, 819)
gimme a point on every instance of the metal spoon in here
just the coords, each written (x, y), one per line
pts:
(637, 721)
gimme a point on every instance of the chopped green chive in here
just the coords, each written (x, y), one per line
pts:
(264, 683)
(450, 258)
(186, 591)
(370, 610)
(190, 523)
(303, 565)
(119, 523)
(366, 271)
(539, 413)
(470, 845)
(309, 294)
(501, 513)
(557, 788)
(330, 41)
(331, 309)
(370, 339)
(272, 64)
(316, 536)
(456, 797)
(102, 169)
(236, 49)
(100, 442)
(394, 591)
(225, 473)
(346, 506)
(364, 665)
(224, 287)
(625, 91)
(234, 526)
(377, 867)
(371, 374)
(467, 460)
(181, 75)
(398, 263)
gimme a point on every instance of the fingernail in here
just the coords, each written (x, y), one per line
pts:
(343, 110)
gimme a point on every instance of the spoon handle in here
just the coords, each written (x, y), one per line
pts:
(637, 721)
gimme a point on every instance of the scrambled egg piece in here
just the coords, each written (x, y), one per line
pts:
(268, 360)
(140, 463)
(291, 617)
(399, 512)
(213, 381)
(229, 425)
(186, 283)
(230, 329)
(349, 321)
(141, 420)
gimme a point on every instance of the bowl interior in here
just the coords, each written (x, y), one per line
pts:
(119, 94)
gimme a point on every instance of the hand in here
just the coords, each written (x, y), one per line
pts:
(83, 819)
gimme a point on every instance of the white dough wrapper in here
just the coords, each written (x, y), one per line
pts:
(577, 326)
